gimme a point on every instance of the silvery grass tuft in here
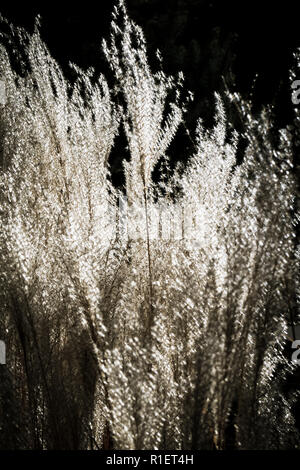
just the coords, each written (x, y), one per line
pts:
(169, 334)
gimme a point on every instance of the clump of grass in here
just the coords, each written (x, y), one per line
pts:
(170, 339)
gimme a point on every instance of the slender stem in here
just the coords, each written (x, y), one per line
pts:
(149, 258)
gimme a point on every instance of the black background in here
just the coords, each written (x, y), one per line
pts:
(209, 40)
(203, 38)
